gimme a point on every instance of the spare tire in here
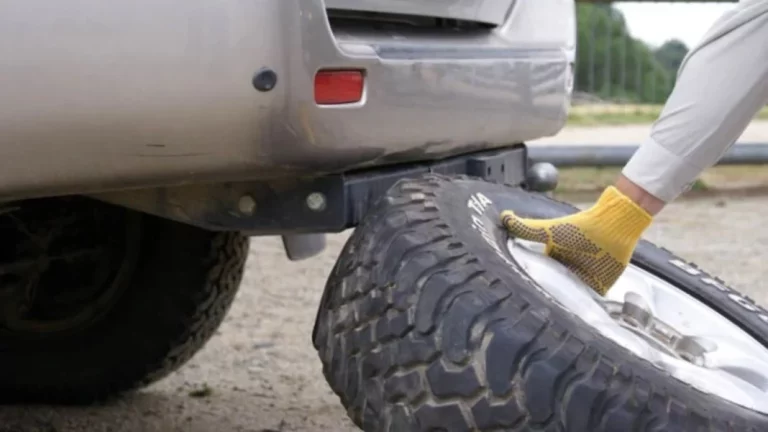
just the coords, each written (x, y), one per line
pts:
(428, 323)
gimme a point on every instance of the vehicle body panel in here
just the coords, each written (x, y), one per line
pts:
(99, 96)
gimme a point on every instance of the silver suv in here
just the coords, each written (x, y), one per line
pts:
(144, 141)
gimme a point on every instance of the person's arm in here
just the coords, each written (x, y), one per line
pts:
(722, 84)
(639, 196)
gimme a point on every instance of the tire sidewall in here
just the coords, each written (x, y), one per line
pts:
(472, 209)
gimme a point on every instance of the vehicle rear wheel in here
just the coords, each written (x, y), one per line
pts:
(96, 299)
(433, 319)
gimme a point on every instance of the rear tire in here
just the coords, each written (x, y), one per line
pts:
(173, 289)
(428, 324)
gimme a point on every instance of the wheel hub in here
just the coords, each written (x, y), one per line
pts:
(659, 322)
(635, 316)
(66, 266)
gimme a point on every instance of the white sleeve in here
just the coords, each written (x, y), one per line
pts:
(722, 84)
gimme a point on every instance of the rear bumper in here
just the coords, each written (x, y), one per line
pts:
(425, 101)
(158, 92)
(425, 97)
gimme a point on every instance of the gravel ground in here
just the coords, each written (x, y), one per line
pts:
(261, 373)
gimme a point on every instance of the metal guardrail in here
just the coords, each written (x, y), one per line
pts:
(617, 155)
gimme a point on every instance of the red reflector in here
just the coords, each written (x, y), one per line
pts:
(338, 87)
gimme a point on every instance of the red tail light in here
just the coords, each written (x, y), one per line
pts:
(334, 87)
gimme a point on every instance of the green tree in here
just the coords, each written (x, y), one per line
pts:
(611, 64)
(671, 54)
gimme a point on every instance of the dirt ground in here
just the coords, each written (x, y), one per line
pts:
(261, 374)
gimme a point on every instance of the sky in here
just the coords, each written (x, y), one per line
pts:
(656, 23)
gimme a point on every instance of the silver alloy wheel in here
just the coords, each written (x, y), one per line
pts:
(662, 324)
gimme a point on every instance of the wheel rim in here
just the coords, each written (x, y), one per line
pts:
(662, 324)
(70, 264)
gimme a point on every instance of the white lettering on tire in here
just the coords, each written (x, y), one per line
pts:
(684, 266)
(732, 294)
(478, 203)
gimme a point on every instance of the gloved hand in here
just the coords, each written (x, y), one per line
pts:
(595, 244)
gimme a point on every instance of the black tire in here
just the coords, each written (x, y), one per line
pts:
(174, 294)
(428, 324)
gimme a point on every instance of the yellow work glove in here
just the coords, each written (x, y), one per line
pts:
(595, 244)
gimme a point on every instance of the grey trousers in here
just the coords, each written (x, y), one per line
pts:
(721, 85)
